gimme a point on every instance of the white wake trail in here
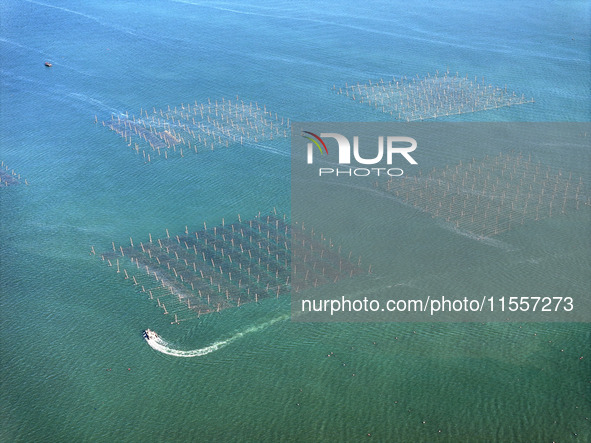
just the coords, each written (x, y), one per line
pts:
(161, 345)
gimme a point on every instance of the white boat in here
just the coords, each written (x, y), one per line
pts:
(150, 335)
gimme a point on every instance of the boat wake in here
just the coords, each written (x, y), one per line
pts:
(159, 344)
(480, 238)
(266, 148)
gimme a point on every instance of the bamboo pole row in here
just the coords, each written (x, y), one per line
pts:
(229, 265)
(194, 127)
(430, 97)
(492, 195)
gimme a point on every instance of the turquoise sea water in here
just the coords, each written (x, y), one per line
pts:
(74, 364)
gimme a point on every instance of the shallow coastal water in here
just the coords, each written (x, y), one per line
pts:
(74, 364)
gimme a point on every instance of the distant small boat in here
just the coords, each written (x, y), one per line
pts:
(48, 64)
